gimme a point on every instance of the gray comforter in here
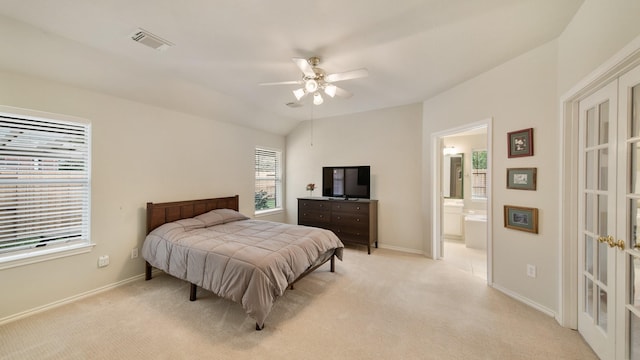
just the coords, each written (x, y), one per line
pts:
(247, 261)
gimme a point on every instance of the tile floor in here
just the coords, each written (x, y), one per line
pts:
(471, 260)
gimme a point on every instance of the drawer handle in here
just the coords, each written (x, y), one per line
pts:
(321, 216)
(357, 220)
(339, 217)
(357, 207)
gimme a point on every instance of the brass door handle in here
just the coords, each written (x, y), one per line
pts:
(611, 241)
(605, 239)
(619, 243)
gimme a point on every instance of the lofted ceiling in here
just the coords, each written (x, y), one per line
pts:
(413, 49)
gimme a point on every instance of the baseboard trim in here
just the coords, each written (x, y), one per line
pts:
(68, 300)
(402, 249)
(526, 301)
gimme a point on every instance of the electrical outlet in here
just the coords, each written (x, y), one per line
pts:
(103, 261)
(531, 270)
(134, 253)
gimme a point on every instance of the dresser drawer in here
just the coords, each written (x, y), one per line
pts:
(306, 205)
(354, 220)
(351, 235)
(310, 217)
(350, 207)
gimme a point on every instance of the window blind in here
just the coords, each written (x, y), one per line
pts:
(267, 179)
(44, 182)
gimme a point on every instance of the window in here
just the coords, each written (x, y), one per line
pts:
(268, 186)
(479, 174)
(44, 186)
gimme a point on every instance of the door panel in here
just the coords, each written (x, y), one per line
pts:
(628, 254)
(597, 218)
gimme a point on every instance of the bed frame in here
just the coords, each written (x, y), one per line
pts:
(161, 213)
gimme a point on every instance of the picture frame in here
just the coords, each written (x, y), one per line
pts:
(520, 143)
(522, 178)
(521, 218)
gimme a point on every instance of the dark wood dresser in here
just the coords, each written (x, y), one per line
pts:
(354, 221)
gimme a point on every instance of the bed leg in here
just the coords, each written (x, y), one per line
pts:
(258, 327)
(192, 292)
(147, 271)
(333, 263)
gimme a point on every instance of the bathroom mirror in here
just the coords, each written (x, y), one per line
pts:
(452, 176)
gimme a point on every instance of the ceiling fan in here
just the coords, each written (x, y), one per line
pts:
(315, 80)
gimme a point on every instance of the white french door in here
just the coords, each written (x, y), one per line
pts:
(609, 199)
(628, 254)
(597, 206)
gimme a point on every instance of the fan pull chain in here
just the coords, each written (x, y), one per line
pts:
(311, 128)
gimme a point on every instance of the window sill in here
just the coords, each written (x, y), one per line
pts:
(270, 212)
(32, 256)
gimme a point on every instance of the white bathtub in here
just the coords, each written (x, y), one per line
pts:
(475, 231)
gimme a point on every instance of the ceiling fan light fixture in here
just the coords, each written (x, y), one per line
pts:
(299, 93)
(311, 85)
(330, 90)
(316, 81)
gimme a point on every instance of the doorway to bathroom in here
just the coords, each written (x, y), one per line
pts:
(463, 178)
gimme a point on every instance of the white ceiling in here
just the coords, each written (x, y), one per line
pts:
(413, 49)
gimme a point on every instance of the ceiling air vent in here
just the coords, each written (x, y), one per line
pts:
(153, 41)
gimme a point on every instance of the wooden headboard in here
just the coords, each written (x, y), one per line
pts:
(158, 214)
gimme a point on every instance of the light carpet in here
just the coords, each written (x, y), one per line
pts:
(387, 305)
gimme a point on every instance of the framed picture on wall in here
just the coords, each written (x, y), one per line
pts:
(521, 178)
(520, 143)
(521, 218)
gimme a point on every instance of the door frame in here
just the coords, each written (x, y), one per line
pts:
(623, 61)
(436, 194)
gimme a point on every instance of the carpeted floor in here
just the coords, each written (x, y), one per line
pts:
(386, 305)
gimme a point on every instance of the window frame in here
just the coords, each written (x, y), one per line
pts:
(474, 196)
(278, 179)
(83, 244)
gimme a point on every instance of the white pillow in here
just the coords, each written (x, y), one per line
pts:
(190, 224)
(229, 215)
(210, 218)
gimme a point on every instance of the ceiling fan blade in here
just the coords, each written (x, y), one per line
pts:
(347, 75)
(306, 68)
(294, 104)
(292, 82)
(343, 93)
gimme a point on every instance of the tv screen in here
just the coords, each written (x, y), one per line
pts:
(346, 181)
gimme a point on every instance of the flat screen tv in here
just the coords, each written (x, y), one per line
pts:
(346, 182)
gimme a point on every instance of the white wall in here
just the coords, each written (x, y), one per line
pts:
(518, 94)
(140, 153)
(598, 30)
(389, 141)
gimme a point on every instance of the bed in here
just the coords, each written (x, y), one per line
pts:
(211, 245)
